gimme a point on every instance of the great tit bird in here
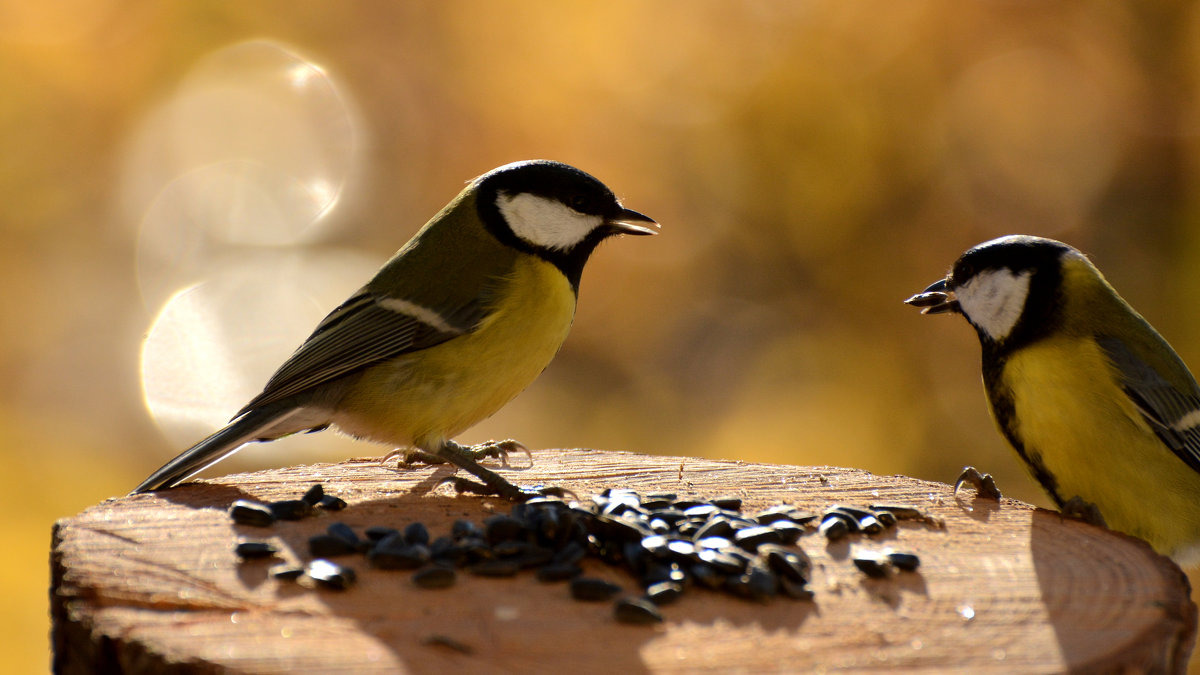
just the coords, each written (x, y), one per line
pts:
(1101, 410)
(458, 322)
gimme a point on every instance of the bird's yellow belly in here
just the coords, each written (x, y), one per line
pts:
(432, 395)
(1096, 444)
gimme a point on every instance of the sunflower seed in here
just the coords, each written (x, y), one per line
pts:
(246, 512)
(247, 550)
(636, 611)
(592, 589)
(330, 574)
(435, 577)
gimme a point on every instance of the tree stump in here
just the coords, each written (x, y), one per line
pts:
(150, 583)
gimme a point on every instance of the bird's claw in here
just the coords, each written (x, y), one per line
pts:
(985, 485)
(412, 456)
(498, 450)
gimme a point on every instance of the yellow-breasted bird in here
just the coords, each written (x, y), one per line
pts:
(1101, 410)
(458, 322)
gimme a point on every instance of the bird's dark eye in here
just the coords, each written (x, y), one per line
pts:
(580, 203)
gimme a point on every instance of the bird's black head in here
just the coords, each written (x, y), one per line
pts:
(1007, 288)
(554, 211)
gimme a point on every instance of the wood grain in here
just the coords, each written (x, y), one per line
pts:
(151, 583)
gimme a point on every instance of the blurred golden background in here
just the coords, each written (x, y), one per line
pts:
(188, 187)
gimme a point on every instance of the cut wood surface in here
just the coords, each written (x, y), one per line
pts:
(151, 583)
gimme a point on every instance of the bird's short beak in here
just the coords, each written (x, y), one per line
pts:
(628, 221)
(935, 299)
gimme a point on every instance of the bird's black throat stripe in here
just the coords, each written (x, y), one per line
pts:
(1004, 408)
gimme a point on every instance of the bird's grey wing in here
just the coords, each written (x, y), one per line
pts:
(364, 330)
(1173, 414)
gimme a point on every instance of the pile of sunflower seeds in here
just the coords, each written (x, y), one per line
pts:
(667, 543)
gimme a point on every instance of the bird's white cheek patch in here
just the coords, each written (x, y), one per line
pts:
(994, 300)
(543, 222)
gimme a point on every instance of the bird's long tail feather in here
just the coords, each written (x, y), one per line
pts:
(249, 427)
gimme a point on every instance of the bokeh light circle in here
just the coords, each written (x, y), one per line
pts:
(253, 148)
(214, 344)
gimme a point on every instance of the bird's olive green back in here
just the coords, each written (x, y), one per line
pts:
(1148, 370)
(438, 286)
(1097, 309)
(450, 265)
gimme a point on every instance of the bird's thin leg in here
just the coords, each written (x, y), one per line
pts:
(491, 483)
